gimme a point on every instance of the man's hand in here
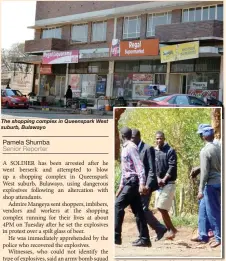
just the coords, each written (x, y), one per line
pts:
(142, 189)
(194, 172)
(118, 191)
(200, 196)
(161, 182)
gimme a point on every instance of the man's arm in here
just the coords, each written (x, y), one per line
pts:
(195, 172)
(139, 167)
(151, 179)
(172, 162)
(204, 167)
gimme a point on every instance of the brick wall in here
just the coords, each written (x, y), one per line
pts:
(176, 16)
(189, 30)
(49, 9)
(45, 44)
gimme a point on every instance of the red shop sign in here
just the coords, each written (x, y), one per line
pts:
(46, 69)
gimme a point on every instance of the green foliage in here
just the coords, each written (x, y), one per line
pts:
(185, 221)
(117, 175)
(180, 127)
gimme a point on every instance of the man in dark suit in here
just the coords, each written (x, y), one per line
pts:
(147, 156)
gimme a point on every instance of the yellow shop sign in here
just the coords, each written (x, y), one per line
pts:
(179, 52)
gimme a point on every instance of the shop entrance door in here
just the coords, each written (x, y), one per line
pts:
(60, 87)
(183, 84)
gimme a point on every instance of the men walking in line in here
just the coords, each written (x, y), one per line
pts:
(166, 171)
(147, 156)
(131, 186)
(209, 188)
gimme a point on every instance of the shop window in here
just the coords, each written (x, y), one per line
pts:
(213, 12)
(59, 69)
(54, 32)
(182, 66)
(132, 66)
(79, 33)
(98, 67)
(157, 19)
(145, 66)
(210, 79)
(78, 68)
(131, 28)
(160, 79)
(99, 31)
(207, 64)
(120, 67)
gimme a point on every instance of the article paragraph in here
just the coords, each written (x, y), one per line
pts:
(56, 191)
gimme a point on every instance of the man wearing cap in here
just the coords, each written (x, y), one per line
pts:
(147, 156)
(209, 188)
(132, 184)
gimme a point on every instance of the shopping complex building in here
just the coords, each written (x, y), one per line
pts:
(119, 48)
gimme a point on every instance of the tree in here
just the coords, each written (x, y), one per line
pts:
(216, 122)
(118, 113)
(9, 55)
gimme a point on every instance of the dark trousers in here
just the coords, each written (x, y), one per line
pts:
(130, 196)
(151, 219)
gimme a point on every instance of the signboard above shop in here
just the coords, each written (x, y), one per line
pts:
(179, 52)
(93, 53)
(61, 57)
(46, 69)
(137, 48)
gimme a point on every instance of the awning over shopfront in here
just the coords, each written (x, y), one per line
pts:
(37, 59)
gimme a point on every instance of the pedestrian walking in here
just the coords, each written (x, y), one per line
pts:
(147, 156)
(166, 171)
(132, 184)
(210, 188)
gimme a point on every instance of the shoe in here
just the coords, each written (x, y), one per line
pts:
(142, 243)
(160, 234)
(118, 241)
(136, 241)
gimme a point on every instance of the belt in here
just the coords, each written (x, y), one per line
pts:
(132, 176)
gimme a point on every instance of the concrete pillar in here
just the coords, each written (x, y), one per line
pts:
(110, 79)
(167, 77)
(221, 85)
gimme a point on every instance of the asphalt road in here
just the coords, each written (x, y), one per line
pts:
(22, 113)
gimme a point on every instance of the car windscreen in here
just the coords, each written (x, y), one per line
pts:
(13, 93)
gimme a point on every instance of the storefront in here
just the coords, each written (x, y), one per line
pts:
(199, 77)
(87, 79)
(135, 78)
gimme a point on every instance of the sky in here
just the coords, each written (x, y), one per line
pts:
(16, 16)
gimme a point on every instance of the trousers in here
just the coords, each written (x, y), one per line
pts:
(130, 196)
(210, 213)
(152, 221)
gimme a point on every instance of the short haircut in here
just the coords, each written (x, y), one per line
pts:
(126, 132)
(135, 132)
(160, 133)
